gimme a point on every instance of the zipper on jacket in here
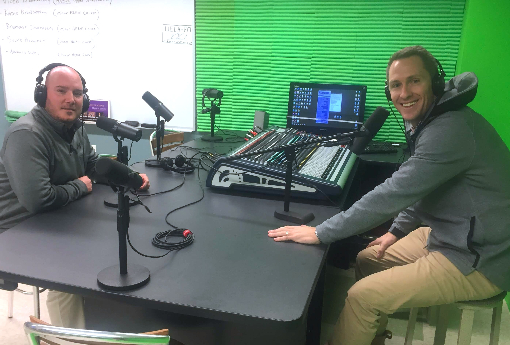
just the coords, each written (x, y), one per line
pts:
(470, 243)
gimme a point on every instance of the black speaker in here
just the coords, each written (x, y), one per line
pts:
(180, 164)
(41, 93)
(437, 83)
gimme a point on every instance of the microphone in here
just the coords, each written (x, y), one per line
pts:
(158, 107)
(212, 93)
(370, 128)
(118, 173)
(116, 128)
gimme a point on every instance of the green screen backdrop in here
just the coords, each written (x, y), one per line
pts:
(252, 50)
(485, 50)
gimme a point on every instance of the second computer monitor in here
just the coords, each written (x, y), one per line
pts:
(326, 108)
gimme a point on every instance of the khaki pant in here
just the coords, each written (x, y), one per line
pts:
(66, 310)
(407, 276)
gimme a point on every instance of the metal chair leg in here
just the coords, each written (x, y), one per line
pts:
(413, 314)
(432, 315)
(496, 324)
(37, 307)
(466, 327)
(442, 325)
(10, 302)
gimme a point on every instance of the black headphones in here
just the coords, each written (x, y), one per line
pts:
(437, 83)
(182, 165)
(41, 93)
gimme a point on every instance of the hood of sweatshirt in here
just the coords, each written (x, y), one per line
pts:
(458, 92)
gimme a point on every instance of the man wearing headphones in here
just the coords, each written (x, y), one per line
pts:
(46, 162)
(450, 240)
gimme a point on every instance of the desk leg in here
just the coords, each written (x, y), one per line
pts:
(314, 317)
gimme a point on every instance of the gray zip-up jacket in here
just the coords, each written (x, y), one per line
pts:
(40, 163)
(457, 181)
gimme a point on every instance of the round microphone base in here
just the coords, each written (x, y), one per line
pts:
(111, 279)
(114, 204)
(209, 138)
(294, 217)
(152, 163)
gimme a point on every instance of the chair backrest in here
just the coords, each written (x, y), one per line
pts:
(53, 335)
(170, 140)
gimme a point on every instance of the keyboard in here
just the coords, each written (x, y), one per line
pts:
(381, 147)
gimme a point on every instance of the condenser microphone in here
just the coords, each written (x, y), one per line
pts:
(212, 93)
(370, 128)
(119, 129)
(158, 107)
(118, 173)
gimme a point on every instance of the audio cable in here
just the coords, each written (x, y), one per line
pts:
(161, 241)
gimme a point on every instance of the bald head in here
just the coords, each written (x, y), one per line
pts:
(65, 70)
(64, 98)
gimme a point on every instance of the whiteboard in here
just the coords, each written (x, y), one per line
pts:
(122, 48)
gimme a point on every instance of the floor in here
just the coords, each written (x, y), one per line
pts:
(337, 281)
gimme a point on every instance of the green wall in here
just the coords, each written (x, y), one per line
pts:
(485, 50)
(253, 49)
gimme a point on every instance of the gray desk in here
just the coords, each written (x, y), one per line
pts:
(233, 285)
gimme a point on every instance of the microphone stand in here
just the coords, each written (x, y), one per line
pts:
(290, 154)
(160, 133)
(123, 277)
(122, 157)
(213, 111)
(122, 151)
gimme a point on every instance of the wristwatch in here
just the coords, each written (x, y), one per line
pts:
(317, 236)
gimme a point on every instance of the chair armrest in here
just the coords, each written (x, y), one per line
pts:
(82, 336)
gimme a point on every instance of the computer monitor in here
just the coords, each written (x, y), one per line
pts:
(326, 108)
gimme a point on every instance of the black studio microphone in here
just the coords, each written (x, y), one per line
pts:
(370, 127)
(117, 128)
(212, 93)
(118, 173)
(158, 107)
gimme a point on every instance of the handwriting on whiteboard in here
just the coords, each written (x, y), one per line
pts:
(177, 34)
(50, 27)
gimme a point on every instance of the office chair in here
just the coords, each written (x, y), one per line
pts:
(37, 330)
(170, 140)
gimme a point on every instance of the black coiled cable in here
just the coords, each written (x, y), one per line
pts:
(161, 239)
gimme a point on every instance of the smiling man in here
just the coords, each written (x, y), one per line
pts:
(450, 239)
(410, 88)
(47, 162)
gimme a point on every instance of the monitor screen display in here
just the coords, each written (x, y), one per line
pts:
(326, 108)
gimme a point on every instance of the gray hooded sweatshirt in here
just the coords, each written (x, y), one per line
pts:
(457, 181)
(40, 163)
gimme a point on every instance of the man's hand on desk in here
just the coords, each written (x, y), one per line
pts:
(300, 234)
(385, 241)
(87, 181)
(146, 184)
